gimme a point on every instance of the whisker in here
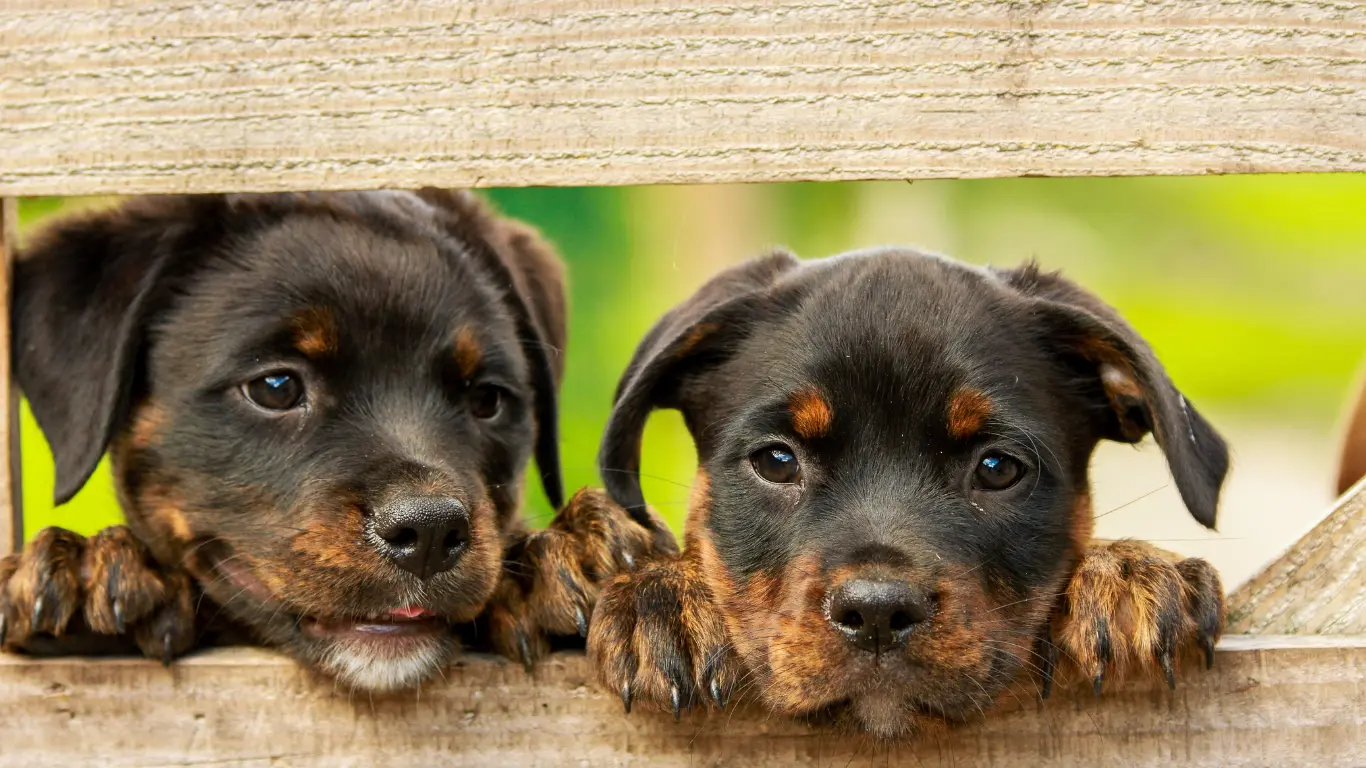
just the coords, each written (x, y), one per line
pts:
(1026, 600)
(1134, 501)
(646, 475)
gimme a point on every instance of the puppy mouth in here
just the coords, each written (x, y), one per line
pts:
(900, 690)
(894, 697)
(413, 622)
(407, 622)
(912, 705)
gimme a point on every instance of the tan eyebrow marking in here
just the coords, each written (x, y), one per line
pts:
(968, 412)
(811, 415)
(468, 353)
(315, 332)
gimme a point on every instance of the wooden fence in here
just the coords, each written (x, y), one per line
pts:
(100, 97)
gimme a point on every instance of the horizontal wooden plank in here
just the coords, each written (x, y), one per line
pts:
(1269, 701)
(147, 96)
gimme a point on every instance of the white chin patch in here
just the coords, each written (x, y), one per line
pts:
(882, 714)
(364, 667)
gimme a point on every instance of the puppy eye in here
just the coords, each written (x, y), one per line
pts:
(278, 391)
(776, 464)
(486, 401)
(997, 472)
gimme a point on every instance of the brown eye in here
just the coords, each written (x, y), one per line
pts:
(997, 472)
(486, 401)
(279, 391)
(776, 464)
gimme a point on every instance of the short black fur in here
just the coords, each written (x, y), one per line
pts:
(138, 328)
(892, 378)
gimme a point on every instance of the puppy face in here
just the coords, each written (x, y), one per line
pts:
(893, 468)
(322, 406)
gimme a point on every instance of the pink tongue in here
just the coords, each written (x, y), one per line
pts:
(411, 612)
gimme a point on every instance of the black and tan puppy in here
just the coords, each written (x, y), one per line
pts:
(320, 409)
(1352, 461)
(891, 518)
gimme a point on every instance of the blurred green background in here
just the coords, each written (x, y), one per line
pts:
(1252, 289)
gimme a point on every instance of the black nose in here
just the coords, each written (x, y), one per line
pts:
(878, 615)
(423, 535)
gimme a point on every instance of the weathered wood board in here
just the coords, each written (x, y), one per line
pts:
(145, 96)
(1269, 701)
(1318, 587)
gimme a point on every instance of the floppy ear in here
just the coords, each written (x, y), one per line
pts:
(691, 337)
(1133, 395)
(82, 296)
(517, 257)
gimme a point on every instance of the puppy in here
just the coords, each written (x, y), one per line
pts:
(1352, 464)
(319, 409)
(891, 517)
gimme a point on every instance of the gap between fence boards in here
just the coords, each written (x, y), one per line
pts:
(11, 493)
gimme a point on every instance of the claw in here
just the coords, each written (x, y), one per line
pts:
(3, 628)
(1166, 661)
(629, 560)
(524, 649)
(115, 572)
(676, 699)
(166, 649)
(1050, 662)
(1103, 650)
(626, 696)
(1207, 642)
(1103, 653)
(717, 694)
(576, 591)
(38, 605)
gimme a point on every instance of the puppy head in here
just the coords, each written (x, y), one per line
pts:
(321, 405)
(893, 451)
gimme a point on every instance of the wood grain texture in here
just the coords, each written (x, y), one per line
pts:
(146, 96)
(1318, 587)
(11, 496)
(1269, 701)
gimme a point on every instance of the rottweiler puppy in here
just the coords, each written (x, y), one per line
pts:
(891, 518)
(319, 409)
(1352, 462)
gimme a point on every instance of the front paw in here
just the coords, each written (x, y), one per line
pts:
(657, 636)
(63, 585)
(1131, 604)
(551, 578)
